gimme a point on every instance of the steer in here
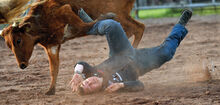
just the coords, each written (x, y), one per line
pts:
(46, 23)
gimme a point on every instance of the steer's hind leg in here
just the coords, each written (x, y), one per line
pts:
(138, 34)
(53, 55)
(133, 27)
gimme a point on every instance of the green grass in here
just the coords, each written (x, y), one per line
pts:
(160, 13)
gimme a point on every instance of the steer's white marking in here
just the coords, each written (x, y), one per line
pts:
(54, 49)
(67, 32)
(14, 24)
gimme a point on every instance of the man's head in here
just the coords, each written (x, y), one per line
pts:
(90, 85)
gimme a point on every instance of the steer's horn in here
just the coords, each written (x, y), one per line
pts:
(0, 33)
(15, 27)
(15, 24)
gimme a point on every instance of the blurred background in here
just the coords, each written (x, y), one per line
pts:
(145, 9)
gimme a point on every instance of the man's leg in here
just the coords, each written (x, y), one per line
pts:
(151, 58)
(116, 37)
(177, 34)
(84, 16)
(169, 46)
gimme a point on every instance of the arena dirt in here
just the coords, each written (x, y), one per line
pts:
(192, 77)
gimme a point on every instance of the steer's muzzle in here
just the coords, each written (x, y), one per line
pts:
(23, 66)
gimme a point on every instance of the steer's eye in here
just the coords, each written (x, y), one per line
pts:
(18, 41)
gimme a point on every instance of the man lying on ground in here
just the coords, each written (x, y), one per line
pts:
(125, 63)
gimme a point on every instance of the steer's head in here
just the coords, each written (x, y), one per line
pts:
(21, 43)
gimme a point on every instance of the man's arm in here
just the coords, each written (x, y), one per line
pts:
(129, 86)
(75, 82)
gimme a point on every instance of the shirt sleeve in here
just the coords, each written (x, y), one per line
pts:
(133, 86)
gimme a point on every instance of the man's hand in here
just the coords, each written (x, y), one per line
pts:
(75, 82)
(114, 87)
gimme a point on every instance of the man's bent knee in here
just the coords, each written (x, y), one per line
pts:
(107, 25)
(167, 54)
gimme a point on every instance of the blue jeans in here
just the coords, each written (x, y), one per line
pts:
(148, 59)
(115, 35)
(143, 60)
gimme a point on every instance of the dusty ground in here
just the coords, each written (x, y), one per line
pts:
(178, 82)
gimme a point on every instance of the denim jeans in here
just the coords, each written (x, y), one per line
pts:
(115, 35)
(147, 59)
(143, 60)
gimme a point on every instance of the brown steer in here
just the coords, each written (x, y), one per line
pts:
(46, 22)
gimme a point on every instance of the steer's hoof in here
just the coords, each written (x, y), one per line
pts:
(50, 92)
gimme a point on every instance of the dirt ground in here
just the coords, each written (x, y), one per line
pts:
(182, 81)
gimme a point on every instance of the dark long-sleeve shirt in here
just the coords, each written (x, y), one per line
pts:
(126, 74)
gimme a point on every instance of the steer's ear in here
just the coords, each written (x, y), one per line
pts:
(26, 27)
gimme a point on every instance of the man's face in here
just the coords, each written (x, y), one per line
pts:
(92, 84)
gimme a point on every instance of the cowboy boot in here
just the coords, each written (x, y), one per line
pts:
(185, 17)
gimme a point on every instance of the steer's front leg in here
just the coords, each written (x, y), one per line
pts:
(53, 55)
